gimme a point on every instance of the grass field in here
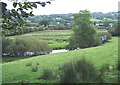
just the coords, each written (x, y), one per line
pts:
(13, 72)
(56, 39)
(110, 20)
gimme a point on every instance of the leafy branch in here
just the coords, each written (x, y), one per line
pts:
(14, 19)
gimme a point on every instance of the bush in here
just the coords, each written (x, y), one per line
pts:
(73, 45)
(69, 74)
(17, 47)
(108, 35)
(82, 71)
(47, 74)
(86, 71)
(29, 64)
(34, 69)
(20, 47)
(97, 41)
(115, 30)
(6, 42)
(59, 27)
(36, 46)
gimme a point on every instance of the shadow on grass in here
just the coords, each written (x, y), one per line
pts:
(10, 59)
(109, 42)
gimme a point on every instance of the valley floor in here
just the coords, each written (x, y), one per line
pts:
(15, 71)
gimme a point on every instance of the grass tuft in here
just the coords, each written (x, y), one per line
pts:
(29, 64)
(34, 69)
(47, 74)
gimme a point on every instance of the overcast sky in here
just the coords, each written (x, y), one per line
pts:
(73, 6)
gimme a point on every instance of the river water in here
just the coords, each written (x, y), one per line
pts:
(58, 51)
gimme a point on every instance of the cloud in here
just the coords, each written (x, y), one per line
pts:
(73, 6)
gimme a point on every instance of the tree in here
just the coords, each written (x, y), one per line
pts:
(84, 33)
(115, 31)
(14, 18)
(17, 47)
(44, 22)
(36, 46)
(6, 42)
(106, 23)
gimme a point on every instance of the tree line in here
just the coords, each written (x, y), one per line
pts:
(18, 47)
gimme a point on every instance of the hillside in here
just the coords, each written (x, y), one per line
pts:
(17, 70)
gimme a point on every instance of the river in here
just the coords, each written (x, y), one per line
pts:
(58, 51)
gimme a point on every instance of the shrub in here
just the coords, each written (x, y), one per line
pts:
(20, 47)
(29, 64)
(35, 45)
(82, 71)
(73, 45)
(34, 69)
(115, 30)
(108, 35)
(97, 41)
(86, 70)
(6, 42)
(47, 74)
(69, 75)
(37, 63)
(17, 47)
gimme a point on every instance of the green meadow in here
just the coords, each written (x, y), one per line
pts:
(110, 20)
(16, 71)
(56, 39)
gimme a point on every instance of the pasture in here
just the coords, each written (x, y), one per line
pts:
(16, 71)
(56, 39)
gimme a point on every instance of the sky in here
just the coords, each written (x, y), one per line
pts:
(74, 6)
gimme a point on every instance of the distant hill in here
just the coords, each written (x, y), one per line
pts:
(67, 18)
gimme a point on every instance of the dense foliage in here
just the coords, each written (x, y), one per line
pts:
(63, 22)
(67, 18)
(82, 71)
(23, 30)
(18, 47)
(84, 33)
(44, 22)
(115, 30)
(105, 35)
(14, 19)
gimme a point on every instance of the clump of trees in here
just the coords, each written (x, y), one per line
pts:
(44, 22)
(106, 35)
(84, 34)
(22, 31)
(17, 47)
(115, 30)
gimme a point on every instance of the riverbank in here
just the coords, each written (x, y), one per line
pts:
(15, 71)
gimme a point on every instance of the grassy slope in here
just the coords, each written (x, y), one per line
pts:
(17, 70)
